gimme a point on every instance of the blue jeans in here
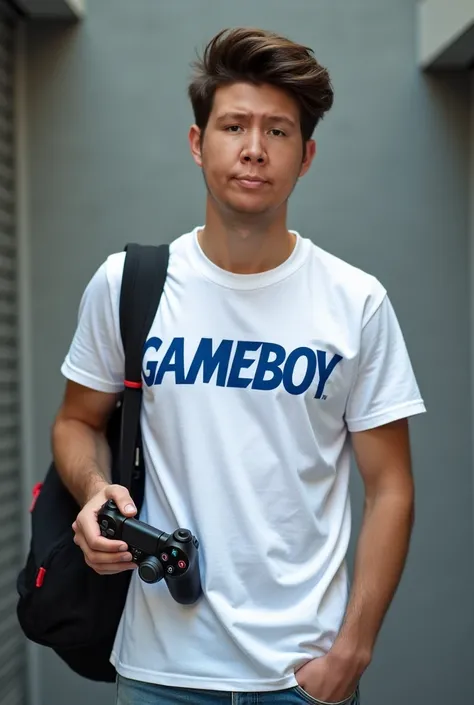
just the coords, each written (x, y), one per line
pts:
(131, 692)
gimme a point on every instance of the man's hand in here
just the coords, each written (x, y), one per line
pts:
(105, 556)
(329, 678)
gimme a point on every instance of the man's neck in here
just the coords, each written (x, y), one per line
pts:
(246, 247)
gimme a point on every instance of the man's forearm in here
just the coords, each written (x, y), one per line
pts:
(380, 558)
(82, 458)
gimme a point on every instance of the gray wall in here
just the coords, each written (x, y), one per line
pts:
(107, 130)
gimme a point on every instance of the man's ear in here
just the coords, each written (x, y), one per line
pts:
(310, 153)
(195, 144)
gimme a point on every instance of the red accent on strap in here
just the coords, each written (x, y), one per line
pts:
(40, 577)
(35, 492)
(133, 385)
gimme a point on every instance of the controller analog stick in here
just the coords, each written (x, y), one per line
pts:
(182, 535)
(150, 570)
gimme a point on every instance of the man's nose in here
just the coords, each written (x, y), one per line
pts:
(254, 150)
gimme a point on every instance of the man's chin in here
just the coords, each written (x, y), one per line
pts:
(250, 209)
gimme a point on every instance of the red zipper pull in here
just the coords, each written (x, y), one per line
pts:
(35, 493)
(40, 577)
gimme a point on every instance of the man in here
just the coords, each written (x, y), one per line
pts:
(268, 361)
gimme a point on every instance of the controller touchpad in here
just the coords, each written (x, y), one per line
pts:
(142, 536)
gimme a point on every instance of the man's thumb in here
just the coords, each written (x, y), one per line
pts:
(129, 509)
(122, 499)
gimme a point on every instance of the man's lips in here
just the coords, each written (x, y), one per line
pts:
(252, 182)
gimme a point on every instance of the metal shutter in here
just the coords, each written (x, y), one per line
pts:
(12, 646)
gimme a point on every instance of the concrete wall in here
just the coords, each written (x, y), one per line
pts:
(446, 33)
(108, 162)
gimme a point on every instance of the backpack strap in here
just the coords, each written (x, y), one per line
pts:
(143, 281)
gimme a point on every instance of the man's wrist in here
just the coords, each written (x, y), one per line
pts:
(96, 484)
(349, 654)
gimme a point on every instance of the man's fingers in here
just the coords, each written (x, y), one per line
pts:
(89, 528)
(104, 562)
(111, 568)
(122, 499)
(99, 559)
(107, 545)
(100, 545)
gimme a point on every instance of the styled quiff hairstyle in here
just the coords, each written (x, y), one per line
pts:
(256, 56)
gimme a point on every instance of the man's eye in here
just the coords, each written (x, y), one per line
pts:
(280, 132)
(233, 128)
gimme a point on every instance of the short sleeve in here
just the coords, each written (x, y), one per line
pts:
(385, 388)
(96, 358)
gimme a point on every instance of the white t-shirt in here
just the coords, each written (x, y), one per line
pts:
(252, 383)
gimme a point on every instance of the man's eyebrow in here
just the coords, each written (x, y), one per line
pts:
(247, 116)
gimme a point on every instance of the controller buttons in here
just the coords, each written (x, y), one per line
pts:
(170, 570)
(164, 557)
(182, 565)
(174, 553)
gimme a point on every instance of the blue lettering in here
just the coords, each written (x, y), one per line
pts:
(240, 363)
(273, 367)
(210, 362)
(289, 369)
(173, 361)
(325, 372)
(149, 376)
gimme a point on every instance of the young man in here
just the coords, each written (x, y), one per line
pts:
(268, 361)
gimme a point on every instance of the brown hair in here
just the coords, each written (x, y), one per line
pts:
(257, 56)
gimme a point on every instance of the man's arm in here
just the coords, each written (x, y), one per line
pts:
(80, 449)
(383, 459)
(82, 458)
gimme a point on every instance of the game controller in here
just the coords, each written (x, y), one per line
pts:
(174, 557)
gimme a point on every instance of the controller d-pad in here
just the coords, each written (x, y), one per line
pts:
(104, 523)
(103, 533)
(110, 532)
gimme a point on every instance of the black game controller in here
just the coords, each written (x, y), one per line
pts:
(158, 555)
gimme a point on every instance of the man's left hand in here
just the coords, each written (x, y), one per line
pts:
(329, 678)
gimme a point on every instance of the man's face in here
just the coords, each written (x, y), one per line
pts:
(252, 153)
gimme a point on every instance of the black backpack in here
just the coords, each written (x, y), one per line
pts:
(63, 604)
